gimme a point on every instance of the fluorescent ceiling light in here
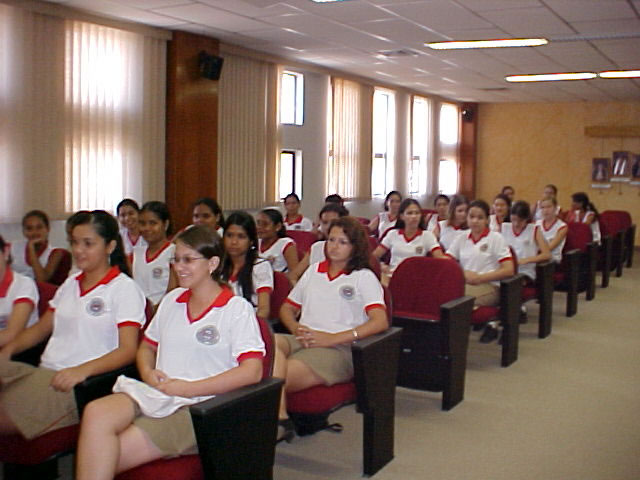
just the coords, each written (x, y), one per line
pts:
(548, 77)
(508, 42)
(620, 74)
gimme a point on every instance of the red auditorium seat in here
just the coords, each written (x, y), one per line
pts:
(430, 306)
(375, 361)
(303, 240)
(542, 291)
(281, 289)
(62, 271)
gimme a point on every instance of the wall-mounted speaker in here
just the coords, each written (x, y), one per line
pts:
(210, 66)
(467, 115)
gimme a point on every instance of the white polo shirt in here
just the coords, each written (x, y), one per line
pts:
(85, 324)
(20, 258)
(483, 255)
(549, 233)
(402, 247)
(275, 253)
(128, 243)
(448, 233)
(433, 221)
(336, 304)
(300, 223)
(195, 348)
(524, 244)
(152, 273)
(262, 277)
(14, 289)
(495, 224)
(385, 222)
(316, 254)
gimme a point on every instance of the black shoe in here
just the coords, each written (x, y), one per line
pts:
(286, 430)
(489, 335)
(477, 327)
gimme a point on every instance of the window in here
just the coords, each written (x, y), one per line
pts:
(448, 135)
(420, 136)
(292, 98)
(290, 173)
(382, 174)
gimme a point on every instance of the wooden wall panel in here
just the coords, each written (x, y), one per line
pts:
(192, 126)
(468, 147)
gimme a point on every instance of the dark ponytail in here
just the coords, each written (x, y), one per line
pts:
(245, 276)
(276, 218)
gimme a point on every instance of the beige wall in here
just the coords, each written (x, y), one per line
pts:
(531, 145)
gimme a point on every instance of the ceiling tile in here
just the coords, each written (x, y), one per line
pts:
(212, 17)
(311, 25)
(587, 10)
(249, 9)
(439, 14)
(528, 22)
(612, 27)
(400, 30)
(347, 12)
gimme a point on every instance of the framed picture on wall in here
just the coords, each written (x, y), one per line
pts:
(621, 171)
(635, 168)
(600, 173)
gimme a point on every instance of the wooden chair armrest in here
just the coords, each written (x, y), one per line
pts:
(100, 385)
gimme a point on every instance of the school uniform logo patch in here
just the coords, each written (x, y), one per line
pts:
(419, 250)
(4, 321)
(95, 307)
(208, 335)
(347, 292)
(484, 247)
(157, 272)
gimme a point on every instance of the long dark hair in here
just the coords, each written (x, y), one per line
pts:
(507, 200)
(406, 203)
(38, 214)
(388, 197)
(213, 205)
(105, 225)
(160, 210)
(127, 202)
(207, 243)
(455, 202)
(276, 218)
(583, 199)
(358, 237)
(245, 280)
(521, 209)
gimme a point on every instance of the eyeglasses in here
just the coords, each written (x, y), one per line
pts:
(185, 260)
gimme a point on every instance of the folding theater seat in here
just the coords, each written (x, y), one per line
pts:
(508, 312)
(62, 271)
(542, 292)
(375, 364)
(617, 224)
(303, 240)
(236, 433)
(363, 220)
(610, 247)
(577, 271)
(281, 289)
(430, 306)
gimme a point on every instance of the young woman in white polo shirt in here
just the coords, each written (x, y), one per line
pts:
(501, 209)
(553, 229)
(383, 221)
(34, 256)
(202, 341)
(485, 258)
(207, 212)
(18, 299)
(293, 220)
(248, 275)
(273, 243)
(93, 322)
(128, 212)
(441, 205)
(407, 239)
(447, 230)
(583, 211)
(334, 303)
(151, 267)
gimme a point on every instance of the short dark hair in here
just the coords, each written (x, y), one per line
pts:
(334, 207)
(207, 243)
(160, 210)
(127, 202)
(38, 214)
(276, 218)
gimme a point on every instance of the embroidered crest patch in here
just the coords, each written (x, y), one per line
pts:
(95, 307)
(157, 272)
(208, 335)
(347, 292)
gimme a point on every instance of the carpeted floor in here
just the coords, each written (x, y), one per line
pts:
(567, 409)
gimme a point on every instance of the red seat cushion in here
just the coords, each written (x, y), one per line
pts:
(186, 467)
(15, 449)
(529, 293)
(484, 314)
(321, 398)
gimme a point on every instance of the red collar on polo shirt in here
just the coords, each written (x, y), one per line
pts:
(220, 301)
(112, 273)
(298, 219)
(484, 234)
(323, 267)
(7, 280)
(39, 252)
(517, 234)
(417, 234)
(546, 229)
(262, 245)
(155, 255)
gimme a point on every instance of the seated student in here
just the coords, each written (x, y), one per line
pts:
(34, 257)
(383, 221)
(485, 258)
(407, 239)
(583, 211)
(18, 299)
(447, 230)
(441, 205)
(207, 212)
(151, 263)
(316, 254)
(550, 191)
(203, 341)
(526, 239)
(334, 198)
(94, 320)
(128, 212)
(501, 208)
(509, 192)
(337, 301)
(247, 274)
(273, 243)
(553, 229)
(294, 219)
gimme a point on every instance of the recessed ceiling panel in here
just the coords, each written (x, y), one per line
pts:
(581, 10)
(528, 22)
(213, 17)
(439, 14)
